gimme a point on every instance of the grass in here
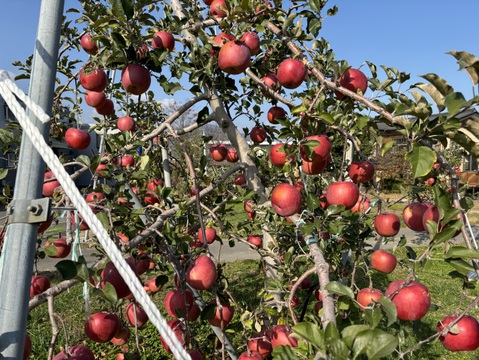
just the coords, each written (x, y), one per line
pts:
(245, 282)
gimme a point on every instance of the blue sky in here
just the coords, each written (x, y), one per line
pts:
(410, 35)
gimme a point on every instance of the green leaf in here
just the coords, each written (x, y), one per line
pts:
(69, 269)
(105, 221)
(51, 250)
(312, 201)
(389, 308)
(84, 160)
(108, 293)
(311, 333)
(144, 161)
(375, 344)
(351, 332)
(3, 173)
(462, 252)
(283, 353)
(460, 265)
(454, 102)
(468, 62)
(335, 287)
(422, 160)
(208, 312)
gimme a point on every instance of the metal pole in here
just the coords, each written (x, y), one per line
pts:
(19, 249)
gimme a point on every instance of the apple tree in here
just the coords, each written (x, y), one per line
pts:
(308, 202)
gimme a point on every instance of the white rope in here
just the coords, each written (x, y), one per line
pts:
(77, 199)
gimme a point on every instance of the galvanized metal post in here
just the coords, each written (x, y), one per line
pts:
(19, 249)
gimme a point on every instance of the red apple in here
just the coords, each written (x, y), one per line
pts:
(218, 152)
(77, 139)
(274, 113)
(368, 296)
(258, 134)
(222, 317)
(465, 334)
(62, 248)
(111, 275)
(387, 224)
(176, 302)
(362, 205)
(261, 343)
(38, 285)
(430, 181)
(232, 155)
(412, 301)
(314, 167)
(49, 186)
(250, 355)
(136, 312)
(281, 336)
(153, 184)
(413, 215)
(249, 205)
(252, 41)
(201, 275)
(291, 73)
(215, 9)
(179, 329)
(106, 108)
(234, 57)
(125, 123)
(127, 161)
(77, 352)
(255, 240)
(136, 79)
(353, 80)
(383, 261)
(271, 82)
(122, 336)
(93, 79)
(278, 156)
(88, 44)
(195, 354)
(240, 180)
(163, 39)
(222, 38)
(210, 235)
(318, 152)
(344, 193)
(95, 98)
(286, 199)
(94, 197)
(102, 326)
(361, 171)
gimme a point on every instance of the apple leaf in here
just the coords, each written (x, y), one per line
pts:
(375, 344)
(389, 308)
(312, 201)
(335, 287)
(350, 333)
(69, 269)
(103, 219)
(469, 62)
(282, 352)
(462, 252)
(3, 173)
(108, 293)
(460, 265)
(51, 250)
(434, 93)
(454, 102)
(311, 333)
(208, 312)
(445, 235)
(422, 160)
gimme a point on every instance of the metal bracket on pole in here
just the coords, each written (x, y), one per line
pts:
(29, 211)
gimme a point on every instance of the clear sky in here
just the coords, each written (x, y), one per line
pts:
(410, 35)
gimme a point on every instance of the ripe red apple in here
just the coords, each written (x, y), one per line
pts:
(175, 304)
(93, 79)
(127, 161)
(195, 354)
(38, 285)
(281, 336)
(258, 134)
(95, 98)
(102, 326)
(49, 186)
(412, 301)
(278, 156)
(240, 180)
(314, 167)
(223, 317)
(88, 44)
(77, 352)
(232, 155)
(249, 205)
(77, 139)
(201, 275)
(342, 193)
(210, 235)
(135, 311)
(255, 240)
(218, 152)
(286, 199)
(179, 329)
(234, 57)
(353, 80)
(252, 41)
(136, 79)
(125, 123)
(387, 224)
(362, 205)
(111, 275)
(106, 108)
(222, 38)
(122, 336)
(368, 296)
(250, 355)
(464, 338)
(291, 73)
(318, 152)
(215, 9)
(163, 39)
(274, 113)
(261, 343)
(430, 181)
(361, 171)
(154, 183)
(413, 215)
(384, 261)
(431, 213)
(271, 82)
(94, 197)
(62, 248)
